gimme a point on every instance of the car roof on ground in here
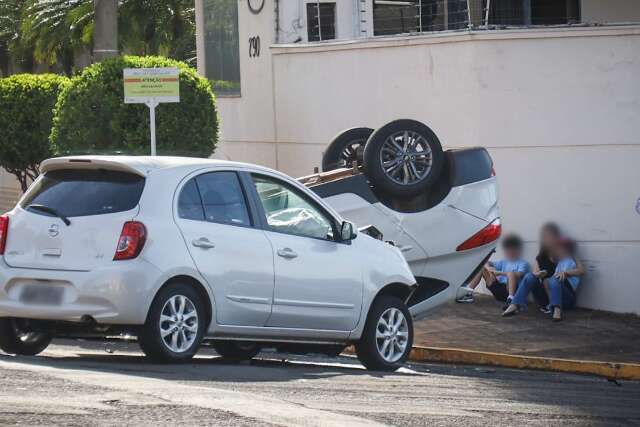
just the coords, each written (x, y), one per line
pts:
(140, 165)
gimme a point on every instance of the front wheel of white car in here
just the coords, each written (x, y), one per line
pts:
(175, 325)
(387, 337)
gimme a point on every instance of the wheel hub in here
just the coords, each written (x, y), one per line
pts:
(406, 157)
(178, 324)
(392, 335)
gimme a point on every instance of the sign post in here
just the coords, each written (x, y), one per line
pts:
(151, 86)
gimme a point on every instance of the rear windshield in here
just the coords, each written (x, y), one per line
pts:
(75, 193)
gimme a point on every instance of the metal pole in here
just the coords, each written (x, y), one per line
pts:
(152, 104)
(469, 23)
(420, 13)
(486, 14)
(319, 27)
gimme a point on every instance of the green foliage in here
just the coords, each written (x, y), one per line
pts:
(26, 103)
(50, 32)
(91, 116)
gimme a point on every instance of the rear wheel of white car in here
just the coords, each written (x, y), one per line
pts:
(403, 158)
(236, 351)
(22, 337)
(388, 335)
(175, 325)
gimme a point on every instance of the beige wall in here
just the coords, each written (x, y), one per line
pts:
(9, 191)
(603, 11)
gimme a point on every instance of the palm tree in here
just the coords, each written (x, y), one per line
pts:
(11, 48)
(58, 28)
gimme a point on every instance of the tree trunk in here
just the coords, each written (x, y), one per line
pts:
(105, 32)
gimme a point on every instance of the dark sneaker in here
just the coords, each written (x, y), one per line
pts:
(507, 304)
(466, 299)
(545, 310)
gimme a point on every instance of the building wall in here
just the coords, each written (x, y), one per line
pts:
(9, 191)
(610, 11)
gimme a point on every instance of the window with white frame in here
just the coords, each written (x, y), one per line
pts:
(321, 21)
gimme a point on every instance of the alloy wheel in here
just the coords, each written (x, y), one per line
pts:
(178, 323)
(406, 157)
(392, 335)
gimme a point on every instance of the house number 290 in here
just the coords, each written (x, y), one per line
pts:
(254, 47)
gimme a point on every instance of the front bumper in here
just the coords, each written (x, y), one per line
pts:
(119, 293)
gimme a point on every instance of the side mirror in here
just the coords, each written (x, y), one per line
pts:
(348, 231)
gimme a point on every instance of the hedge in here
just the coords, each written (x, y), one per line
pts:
(26, 112)
(91, 116)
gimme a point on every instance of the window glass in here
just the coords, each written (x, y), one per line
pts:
(288, 211)
(222, 46)
(321, 21)
(189, 203)
(78, 192)
(222, 198)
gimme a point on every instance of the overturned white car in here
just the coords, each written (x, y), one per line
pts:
(439, 207)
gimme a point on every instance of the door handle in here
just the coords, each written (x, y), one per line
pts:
(287, 253)
(203, 243)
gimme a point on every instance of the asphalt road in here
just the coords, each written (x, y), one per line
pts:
(81, 383)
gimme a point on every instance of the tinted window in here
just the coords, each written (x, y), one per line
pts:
(287, 210)
(85, 192)
(222, 198)
(189, 203)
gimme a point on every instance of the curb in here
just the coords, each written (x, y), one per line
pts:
(609, 370)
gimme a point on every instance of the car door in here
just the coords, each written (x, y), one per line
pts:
(318, 281)
(234, 256)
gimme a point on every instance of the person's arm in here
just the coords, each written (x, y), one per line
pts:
(578, 271)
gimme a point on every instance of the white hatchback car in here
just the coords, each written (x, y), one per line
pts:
(178, 250)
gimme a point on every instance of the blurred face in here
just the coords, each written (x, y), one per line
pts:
(512, 252)
(549, 240)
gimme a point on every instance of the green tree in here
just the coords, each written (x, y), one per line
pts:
(12, 48)
(26, 103)
(58, 28)
(91, 117)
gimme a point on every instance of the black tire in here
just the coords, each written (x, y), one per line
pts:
(150, 338)
(428, 168)
(345, 148)
(18, 337)
(236, 351)
(367, 346)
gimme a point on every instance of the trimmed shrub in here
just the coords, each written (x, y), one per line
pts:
(92, 118)
(26, 112)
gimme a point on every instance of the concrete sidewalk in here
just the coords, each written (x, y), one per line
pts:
(582, 335)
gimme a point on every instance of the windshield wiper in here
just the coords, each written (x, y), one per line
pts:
(52, 211)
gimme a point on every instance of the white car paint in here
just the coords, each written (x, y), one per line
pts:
(321, 295)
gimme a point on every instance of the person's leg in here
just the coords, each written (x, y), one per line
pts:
(527, 284)
(568, 297)
(499, 290)
(540, 294)
(512, 284)
(476, 280)
(556, 290)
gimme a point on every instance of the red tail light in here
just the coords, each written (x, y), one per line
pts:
(132, 239)
(4, 230)
(485, 236)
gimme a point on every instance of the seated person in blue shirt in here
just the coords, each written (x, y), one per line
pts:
(502, 277)
(561, 287)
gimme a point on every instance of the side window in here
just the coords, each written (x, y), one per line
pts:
(289, 211)
(189, 203)
(222, 198)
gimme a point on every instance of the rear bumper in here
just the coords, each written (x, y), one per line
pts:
(116, 294)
